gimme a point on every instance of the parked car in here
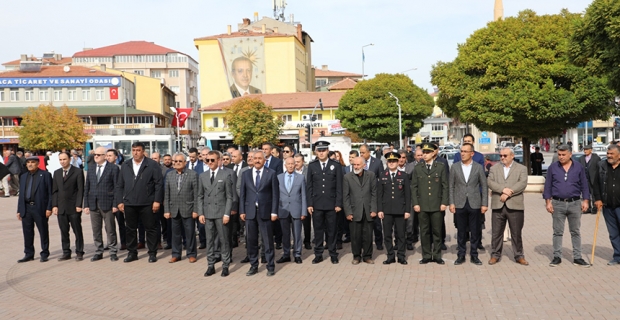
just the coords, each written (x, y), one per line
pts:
(493, 157)
(448, 155)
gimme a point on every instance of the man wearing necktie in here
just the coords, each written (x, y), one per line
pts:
(275, 164)
(67, 197)
(241, 71)
(34, 207)
(292, 211)
(375, 166)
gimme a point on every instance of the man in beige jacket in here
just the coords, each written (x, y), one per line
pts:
(507, 181)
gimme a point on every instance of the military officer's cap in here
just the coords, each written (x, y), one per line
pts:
(429, 147)
(392, 156)
(321, 145)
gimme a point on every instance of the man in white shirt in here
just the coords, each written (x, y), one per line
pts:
(241, 71)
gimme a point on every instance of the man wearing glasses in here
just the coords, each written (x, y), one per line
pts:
(567, 196)
(507, 182)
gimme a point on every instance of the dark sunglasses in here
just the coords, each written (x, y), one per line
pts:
(99, 154)
(286, 151)
(175, 161)
(503, 155)
(210, 160)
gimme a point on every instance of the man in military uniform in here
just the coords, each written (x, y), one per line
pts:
(394, 206)
(324, 193)
(429, 196)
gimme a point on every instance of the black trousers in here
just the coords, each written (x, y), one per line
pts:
(394, 224)
(134, 214)
(325, 224)
(30, 219)
(307, 224)
(343, 227)
(178, 228)
(202, 235)
(71, 221)
(120, 218)
(253, 226)
(378, 229)
(277, 231)
(468, 220)
(361, 238)
(235, 226)
(537, 168)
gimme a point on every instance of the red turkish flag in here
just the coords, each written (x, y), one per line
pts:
(183, 115)
(113, 93)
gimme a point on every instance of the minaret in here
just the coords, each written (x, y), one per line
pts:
(499, 10)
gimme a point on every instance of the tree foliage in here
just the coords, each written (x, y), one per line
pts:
(369, 111)
(596, 41)
(514, 77)
(251, 122)
(50, 128)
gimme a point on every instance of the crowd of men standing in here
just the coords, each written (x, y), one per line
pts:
(391, 200)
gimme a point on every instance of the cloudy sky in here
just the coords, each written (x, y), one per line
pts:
(407, 33)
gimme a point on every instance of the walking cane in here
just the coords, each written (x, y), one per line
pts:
(598, 215)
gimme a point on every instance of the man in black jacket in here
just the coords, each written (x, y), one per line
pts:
(139, 194)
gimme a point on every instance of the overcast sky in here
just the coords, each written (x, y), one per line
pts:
(407, 33)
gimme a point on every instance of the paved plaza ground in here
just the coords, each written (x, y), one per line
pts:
(142, 290)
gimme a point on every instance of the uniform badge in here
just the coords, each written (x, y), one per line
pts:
(331, 167)
(436, 179)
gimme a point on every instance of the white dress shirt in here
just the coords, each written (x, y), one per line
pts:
(136, 166)
(507, 169)
(467, 169)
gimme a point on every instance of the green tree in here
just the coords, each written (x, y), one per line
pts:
(251, 122)
(369, 111)
(596, 41)
(50, 128)
(514, 77)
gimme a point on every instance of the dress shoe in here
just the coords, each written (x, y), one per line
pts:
(263, 259)
(65, 257)
(443, 247)
(271, 273)
(409, 246)
(459, 261)
(402, 261)
(44, 259)
(425, 261)
(308, 246)
(481, 247)
(167, 247)
(174, 259)
(346, 240)
(298, 260)
(613, 263)
(210, 271)
(252, 271)
(159, 247)
(389, 261)
(476, 261)
(556, 261)
(123, 247)
(192, 259)
(439, 261)
(113, 257)
(79, 257)
(202, 246)
(355, 261)
(96, 257)
(339, 246)
(152, 258)
(493, 261)
(317, 259)
(523, 262)
(278, 246)
(416, 239)
(245, 260)
(335, 260)
(218, 259)
(380, 247)
(369, 261)
(284, 259)
(225, 272)
(130, 258)
(25, 259)
(140, 245)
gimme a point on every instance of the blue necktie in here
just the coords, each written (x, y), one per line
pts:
(257, 179)
(289, 183)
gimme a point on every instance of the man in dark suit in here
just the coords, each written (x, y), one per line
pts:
(195, 163)
(67, 197)
(274, 164)
(324, 192)
(236, 164)
(352, 155)
(360, 206)
(139, 193)
(241, 71)
(215, 201)
(292, 210)
(258, 207)
(394, 206)
(111, 156)
(250, 160)
(34, 207)
(180, 207)
(590, 162)
(15, 167)
(99, 203)
(468, 197)
(375, 166)
(537, 160)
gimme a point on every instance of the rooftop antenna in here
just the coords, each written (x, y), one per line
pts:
(278, 9)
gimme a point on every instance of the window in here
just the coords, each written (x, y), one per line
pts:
(29, 95)
(215, 122)
(85, 95)
(1, 95)
(99, 95)
(173, 73)
(437, 127)
(320, 82)
(156, 73)
(72, 95)
(140, 72)
(43, 95)
(178, 104)
(316, 116)
(57, 95)
(14, 95)
(287, 117)
(175, 89)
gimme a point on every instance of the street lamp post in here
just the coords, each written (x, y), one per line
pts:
(400, 121)
(176, 114)
(363, 58)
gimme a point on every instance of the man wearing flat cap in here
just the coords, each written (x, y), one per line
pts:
(590, 161)
(429, 197)
(34, 207)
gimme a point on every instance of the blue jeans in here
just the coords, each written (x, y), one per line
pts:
(561, 212)
(612, 220)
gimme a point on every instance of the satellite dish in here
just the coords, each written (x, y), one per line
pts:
(66, 69)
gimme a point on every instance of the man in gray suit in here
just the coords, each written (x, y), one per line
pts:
(468, 198)
(507, 181)
(292, 210)
(215, 201)
(302, 168)
(360, 206)
(181, 194)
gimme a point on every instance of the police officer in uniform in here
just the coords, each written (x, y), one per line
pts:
(324, 198)
(429, 197)
(394, 206)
